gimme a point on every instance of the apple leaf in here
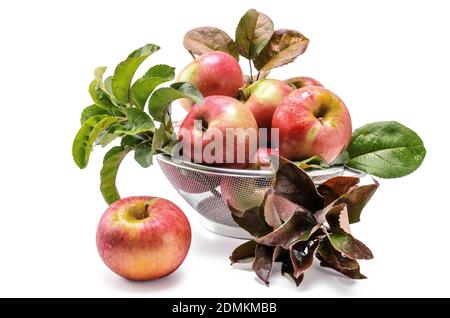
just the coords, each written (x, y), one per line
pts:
(295, 185)
(143, 155)
(302, 256)
(330, 257)
(356, 199)
(91, 111)
(253, 33)
(144, 86)
(298, 227)
(111, 162)
(385, 149)
(333, 188)
(263, 264)
(251, 220)
(287, 269)
(283, 48)
(99, 97)
(87, 135)
(137, 122)
(124, 72)
(162, 98)
(244, 253)
(161, 138)
(206, 39)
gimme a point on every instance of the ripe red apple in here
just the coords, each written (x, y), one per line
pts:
(213, 73)
(263, 98)
(143, 238)
(227, 134)
(312, 121)
(302, 81)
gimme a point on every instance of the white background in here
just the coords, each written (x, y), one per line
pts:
(386, 59)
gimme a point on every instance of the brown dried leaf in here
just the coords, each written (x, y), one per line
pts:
(207, 39)
(283, 48)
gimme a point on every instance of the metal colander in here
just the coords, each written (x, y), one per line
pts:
(207, 190)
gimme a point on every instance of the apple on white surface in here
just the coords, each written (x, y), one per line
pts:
(143, 237)
(213, 73)
(312, 121)
(227, 134)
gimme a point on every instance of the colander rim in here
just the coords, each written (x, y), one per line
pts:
(242, 172)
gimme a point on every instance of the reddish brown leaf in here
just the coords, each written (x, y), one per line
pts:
(295, 185)
(357, 199)
(298, 228)
(333, 188)
(244, 253)
(331, 258)
(302, 256)
(263, 264)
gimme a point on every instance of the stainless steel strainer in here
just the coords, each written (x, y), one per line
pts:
(208, 188)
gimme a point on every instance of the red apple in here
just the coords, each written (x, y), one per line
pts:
(221, 131)
(302, 81)
(312, 121)
(213, 73)
(263, 98)
(143, 238)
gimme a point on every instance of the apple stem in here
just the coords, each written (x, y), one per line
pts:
(257, 76)
(192, 54)
(251, 71)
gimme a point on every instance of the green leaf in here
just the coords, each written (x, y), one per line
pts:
(253, 33)
(86, 136)
(108, 174)
(91, 111)
(244, 253)
(298, 227)
(160, 139)
(144, 86)
(162, 98)
(124, 72)
(130, 141)
(206, 39)
(283, 48)
(314, 162)
(98, 75)
(143, 155)
(99, 97)
(137, 122)
(386, 149)
(106, 139)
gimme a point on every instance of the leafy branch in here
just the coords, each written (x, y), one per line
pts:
(118, 111)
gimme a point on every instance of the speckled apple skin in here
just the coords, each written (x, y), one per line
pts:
(213, 73)
(220, 112)
(264, 97)
(143, 249)
(302, 134)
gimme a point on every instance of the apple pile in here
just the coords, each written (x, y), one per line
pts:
(309, 119)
